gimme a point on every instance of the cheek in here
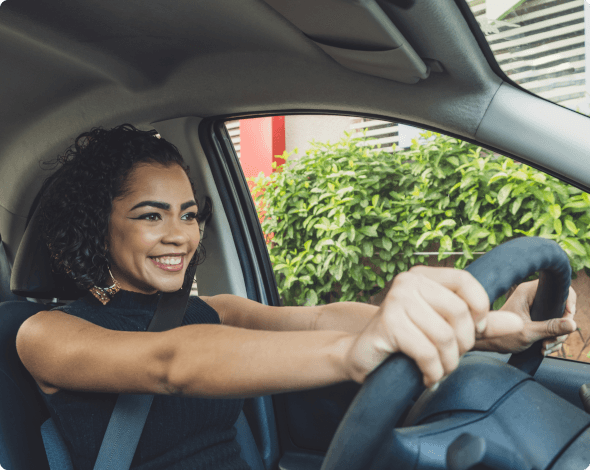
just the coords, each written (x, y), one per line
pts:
(137, 241)
(145, 239)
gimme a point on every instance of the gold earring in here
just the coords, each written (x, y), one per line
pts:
(105, 294)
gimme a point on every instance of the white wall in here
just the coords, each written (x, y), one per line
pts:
(301, 129)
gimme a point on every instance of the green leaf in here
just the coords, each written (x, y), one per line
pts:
(446, 244)
(492, 239)
(557, 226)
(370, 231)
(338, 272)
(555, 211)
(423, 237)
(507, 229)
(312, 298)
(574, 246)
(385, 255)
(462, 231)
(516, 205)
(577, 205)
(496, 177)
(571, 227)
(343, 191)
(519, 175)
(525, 218)
(391, 266)
(324, 242)
(368, 249)
(504, 193)
(446, 223)
(387, 243)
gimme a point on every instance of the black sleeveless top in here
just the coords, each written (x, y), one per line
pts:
(180, 433)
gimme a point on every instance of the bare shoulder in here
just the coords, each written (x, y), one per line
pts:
(37, 336)
(62, 351)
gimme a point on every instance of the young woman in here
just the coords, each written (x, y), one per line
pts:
(122, 219)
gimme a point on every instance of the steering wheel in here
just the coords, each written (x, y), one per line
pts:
(389, 389)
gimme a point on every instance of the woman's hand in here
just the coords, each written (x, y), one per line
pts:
(554, 331)
(429, 314)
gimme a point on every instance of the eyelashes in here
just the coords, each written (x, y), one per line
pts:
(154, 216)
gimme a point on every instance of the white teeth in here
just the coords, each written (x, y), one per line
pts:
(169, 261)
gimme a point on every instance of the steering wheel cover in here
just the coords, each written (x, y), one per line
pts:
(388, 390)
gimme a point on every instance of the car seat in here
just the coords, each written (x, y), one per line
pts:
(28, 437)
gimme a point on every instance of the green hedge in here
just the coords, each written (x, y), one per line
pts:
(347, 218)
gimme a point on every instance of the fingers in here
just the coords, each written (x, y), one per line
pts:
(552, 349)
(461, 283)
(554, 343)
(553, 328)
(437, 326)
(502, 323)
(440, 333)
(570, 304)
(416, 345)
(452, 310)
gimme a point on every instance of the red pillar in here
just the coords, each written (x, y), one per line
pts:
(262, 142)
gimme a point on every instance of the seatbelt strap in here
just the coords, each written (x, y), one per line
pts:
(131, 410)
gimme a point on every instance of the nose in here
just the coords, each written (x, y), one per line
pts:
(177, 233)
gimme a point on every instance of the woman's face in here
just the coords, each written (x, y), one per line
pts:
(153, 231)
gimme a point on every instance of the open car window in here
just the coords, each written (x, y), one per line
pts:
(346, 203)
(541, 45)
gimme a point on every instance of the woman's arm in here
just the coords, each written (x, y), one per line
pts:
(351, 317)
(237, 362)
(65, 352)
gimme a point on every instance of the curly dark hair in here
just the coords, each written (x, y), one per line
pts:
(77, 199)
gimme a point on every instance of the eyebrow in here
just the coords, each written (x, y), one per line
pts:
(163, 205)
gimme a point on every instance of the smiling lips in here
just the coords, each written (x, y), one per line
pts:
(169, 263)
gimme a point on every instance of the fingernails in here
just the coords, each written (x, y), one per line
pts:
(434, 388)
(481, 326)
(551, 345)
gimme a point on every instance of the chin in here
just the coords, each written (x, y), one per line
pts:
(169, 286)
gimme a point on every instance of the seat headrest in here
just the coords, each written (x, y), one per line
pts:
(32, 275)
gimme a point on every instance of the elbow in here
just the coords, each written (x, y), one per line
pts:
(165, 371)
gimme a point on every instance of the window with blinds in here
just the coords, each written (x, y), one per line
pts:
(540, 44)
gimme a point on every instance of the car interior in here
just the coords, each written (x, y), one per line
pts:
(184, 69)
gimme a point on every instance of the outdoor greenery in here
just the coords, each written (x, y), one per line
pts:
(345, 218)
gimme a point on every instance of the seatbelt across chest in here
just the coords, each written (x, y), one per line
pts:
(131, 410)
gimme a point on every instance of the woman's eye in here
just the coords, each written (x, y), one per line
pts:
(151, 216)
(190, 216)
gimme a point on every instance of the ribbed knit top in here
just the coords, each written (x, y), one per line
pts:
(180, 433)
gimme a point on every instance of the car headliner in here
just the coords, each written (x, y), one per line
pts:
(68, 66)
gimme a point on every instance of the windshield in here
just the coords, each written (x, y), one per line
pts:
(540, 44)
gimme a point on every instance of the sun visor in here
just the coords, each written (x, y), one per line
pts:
(358, 34)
